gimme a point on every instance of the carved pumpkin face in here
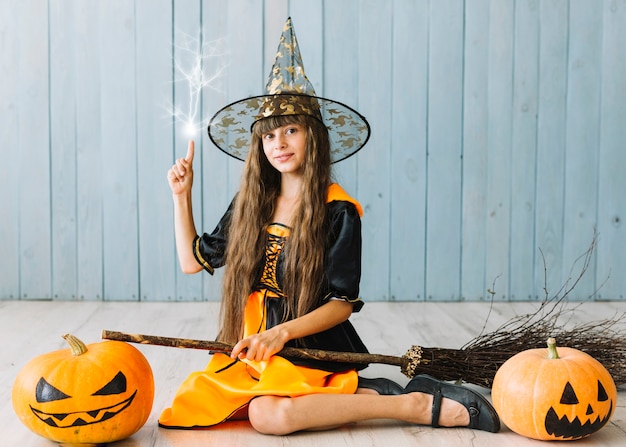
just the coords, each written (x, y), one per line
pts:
(563, 398)
(87, 394)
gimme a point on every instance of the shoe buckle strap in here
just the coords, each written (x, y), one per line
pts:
(437, 396)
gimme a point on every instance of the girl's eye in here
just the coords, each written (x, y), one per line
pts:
(292, 130)
(268, 136)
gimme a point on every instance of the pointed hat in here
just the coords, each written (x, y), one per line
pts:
(288, 92)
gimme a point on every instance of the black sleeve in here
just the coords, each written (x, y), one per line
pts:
(343, 256)
(210, 249)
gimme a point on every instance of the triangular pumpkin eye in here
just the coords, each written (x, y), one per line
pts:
(116, 386)
(44, 392)
(569, 396)
(602, 396)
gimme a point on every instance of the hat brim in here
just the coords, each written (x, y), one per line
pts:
(230, 128)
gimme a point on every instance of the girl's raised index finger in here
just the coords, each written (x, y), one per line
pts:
(190, 151)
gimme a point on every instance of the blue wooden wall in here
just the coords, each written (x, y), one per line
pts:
(498, 140)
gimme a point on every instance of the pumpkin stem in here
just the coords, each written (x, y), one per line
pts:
(552, 352)
(77, 346)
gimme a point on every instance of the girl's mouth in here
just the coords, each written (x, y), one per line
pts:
(283, 158)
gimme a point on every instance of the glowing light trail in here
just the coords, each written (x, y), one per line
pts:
(193, 58)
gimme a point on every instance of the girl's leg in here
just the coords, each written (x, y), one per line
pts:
(284, 415)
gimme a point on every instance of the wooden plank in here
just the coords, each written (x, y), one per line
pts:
(612, 182)
(63, 150)
(10, 137)
(157, 256)
(33, 157)
(245, 72)
(341, 76)
(550, 170)
(475, 129)
(214, 167)
(187, 32)
(119, 152)
(89, 171)
(408, 152)
(582, 130)
(445, 124)
(499, 167)
(375, 31)
(523, 150)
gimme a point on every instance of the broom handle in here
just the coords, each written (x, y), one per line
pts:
(215, 346)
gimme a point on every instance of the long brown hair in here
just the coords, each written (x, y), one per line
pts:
(252, 213)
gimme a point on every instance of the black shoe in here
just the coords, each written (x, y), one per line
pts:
(381, 386)
(482, 415)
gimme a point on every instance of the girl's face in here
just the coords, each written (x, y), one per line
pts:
(285, 148)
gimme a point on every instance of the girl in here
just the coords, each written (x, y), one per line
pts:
(291, 244)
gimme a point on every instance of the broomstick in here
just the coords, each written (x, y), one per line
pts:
(478, 360)
(445, 362)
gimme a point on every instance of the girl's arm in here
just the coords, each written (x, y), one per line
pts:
(262, 346)
(180, 179)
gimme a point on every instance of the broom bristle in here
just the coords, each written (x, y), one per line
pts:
(479, 359)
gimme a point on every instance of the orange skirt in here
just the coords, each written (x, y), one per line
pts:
(211, 396)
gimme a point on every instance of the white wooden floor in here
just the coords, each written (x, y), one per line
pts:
(28, 329)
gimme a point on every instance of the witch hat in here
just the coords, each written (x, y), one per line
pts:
(288, 92)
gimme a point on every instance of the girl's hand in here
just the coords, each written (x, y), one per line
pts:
(180, 175)
(260, 347)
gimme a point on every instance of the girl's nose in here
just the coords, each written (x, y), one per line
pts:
(281, 141)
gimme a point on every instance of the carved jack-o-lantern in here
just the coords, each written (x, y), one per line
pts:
(554, 396)
(85, 395)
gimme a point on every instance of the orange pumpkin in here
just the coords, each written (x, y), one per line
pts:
(549, 395)
(85, 395)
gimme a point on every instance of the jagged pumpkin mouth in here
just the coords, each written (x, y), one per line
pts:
(562, 427)
(80, 418)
